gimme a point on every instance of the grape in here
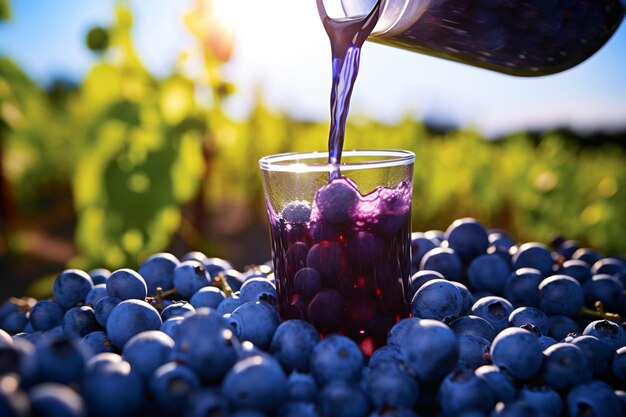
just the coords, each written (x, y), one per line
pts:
(608, 332)
(445, 261)
(462, 391)
(337, 201)
(437, 299)
(255, 321)
(60, 359)
(531, 315)
(79, 321)
(230, 304)
(500, 382)
(206, 402)
(257, 289)
(99, 275)
(534, 255)
(565, 366)
(96, 342)
(336, 357)
(126, 284)
(605, 288)
(473, 351)
(488, 272)
(293, 343)
(391, 387)
(46, 314)
(468, 238)
(341, 398)
(172, 384)
(104, 307)
(577, 269)
(158, 271)
(207, 297)
(177, 309)
(301, 387)
(419, 246)
(71, 287)
(97, 293)
(146, 351)
(129, 318)
(560, 295)
(518, 351)
(296, 212)
(52, 399)
(473, 325)
(430, 349)
(189, 277)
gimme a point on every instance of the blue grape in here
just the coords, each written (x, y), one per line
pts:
(13, 401)
(336, 357)
(419, 246)
(53, 399)
(189, 277)
(127, 284)
(598, 353)
(158, 272)
(337, 201)
(420, 278)
(560, 295)
(100, 361)
(172, 384)
(256, 383)
(560, 326)
(399, 332)
(437, 299)
(71, 287)
(60, 359)
(521, 287)
(206, 402)
(104, 307)
(567, 248)
(170, 326)
(255, 321)
(99, 275)
(577, 269)
(595, 398)
(79, 321)
(430, 349)
(207, 297)
(588, 255)
(229, 304)
(341, 398)
(129, 318)
(496, 310)
(531, 315)
(301, 387)
(445, 261)
(473, 351)
(534, 255)
(543, 399)
(98, 292)
(565, 366)
(473, 325)
(468, 238)
(293, 343)
(605, 288)
(488, 272)
(501, 383)
(96, 342)
(609, 266)
(258, 289)
(516, 408)
(462, 391)
(46, 314)
(546, 341)
(215, 266)
(385, 356)
(146, 351)
(177, 309)
(518, 351)
(391, 387)
(500, 239)
(233, 278)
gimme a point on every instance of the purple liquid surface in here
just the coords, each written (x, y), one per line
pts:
(345, 267)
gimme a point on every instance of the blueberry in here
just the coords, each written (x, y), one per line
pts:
(297, 212)
(473, 325)
(126, 284)
(337, 201)
(189, 277)
(437, 299)
(577, 269)
(52, 399)
(605, 288)
(256, 383)
(385, 356)
(608, 332)
(560, 326)
(99, 275)
(473, 351)
(518, 351)
(420, 278)
(430, 349)
(177, 309)
(172, 384)
(229, 304)
(302, 387)
(158, 271)
(590, 256)
(521, 287)
(501, 383)
(468, 238)
(207, 297)
(496, 310)
(610, 266)
(170, 326)
(534, 255)
(207, 402)
(399, 332)
(462, 391)
(598, 353)
(419, 246)
(531, 315)
(543, 399)
(391, 387)
(258, 289)
(215, 266)
(129, 318)
(96, 342)
(565, 366)
(567, 248)
(293, 343)
(71, 287)
(560, 295)
(255, 321)
(104, 307)
(78, 321)
(488, 272)
(336, 357)
(546, 341)
(341, 398)
(60, 359)
(500, 239)
(98, 292)
(146, 351)
(46, 314)
(445, 261)
(594, 398)
(515, 408)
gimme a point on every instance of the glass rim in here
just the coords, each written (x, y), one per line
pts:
(299, 161)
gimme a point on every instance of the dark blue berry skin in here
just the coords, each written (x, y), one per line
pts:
(302, 387)
(126, 284)
(577, 269)
(399, 332)
(79, 321)
(101, 360)
(605, 288)
(206, 343)
(608, 332)
(462, 391)
(96, 342)
(258, 289)
(256, 383)
(215, 266)
(473, 351)
(46, 314)
(60, 359)
(206, 402)
(293, 343)
(501, 384)
(420, 278)
(438, 299)
(521, 287)
(501, 240)
(531, 315)
(341, 398)
(12, 317)
(488, 272)
(473, 325)
(587, 255)
(567, 248)
(306, 283)
(419, 246)
(189, 277)
(56, 400)
(337, 201)
(177, 309)
(147, 351)
(430, 349)
(546, 341)
(113, 390)
(104, 307)
(445, 261)
(496, 310)
(229, 304)
(468, 238)
(326, 311)
(610, 266)
(598, 353)
(296, 212)
(207, 297)
(98, 292)
(391, 387)
(534, 255)
(565, 366)
(595, 398)
(170, 326)
(71, 287)
(172, 385)
(560, 295)
(385, 356)
(518, 351)
(336, 357)
(255, 321)
(516, 408)
(618, 366)
(129, 318)
(561, 326)
(158, 271)
(543, 399)
(99, 275)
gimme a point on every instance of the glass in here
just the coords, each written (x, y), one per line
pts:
(517, 37)
(341, 248)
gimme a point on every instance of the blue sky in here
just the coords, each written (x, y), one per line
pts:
(282, 47)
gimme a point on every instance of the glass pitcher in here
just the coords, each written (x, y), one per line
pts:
(517, 37)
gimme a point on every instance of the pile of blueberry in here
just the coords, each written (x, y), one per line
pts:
(497, 329)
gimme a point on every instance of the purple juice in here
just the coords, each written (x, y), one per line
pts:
(343, 262)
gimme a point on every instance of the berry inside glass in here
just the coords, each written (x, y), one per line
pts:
(341, 248)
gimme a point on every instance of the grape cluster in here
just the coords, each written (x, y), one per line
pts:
(496, 329)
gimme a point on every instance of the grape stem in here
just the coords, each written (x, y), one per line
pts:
(600, 313)
(222, 284)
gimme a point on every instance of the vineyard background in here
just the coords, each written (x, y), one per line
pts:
(123, 164)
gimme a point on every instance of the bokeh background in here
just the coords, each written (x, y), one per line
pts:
(131, 127)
